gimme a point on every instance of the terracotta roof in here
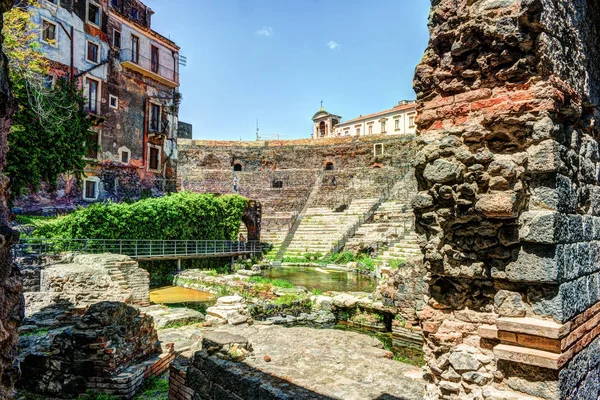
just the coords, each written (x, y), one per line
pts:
(399, 107)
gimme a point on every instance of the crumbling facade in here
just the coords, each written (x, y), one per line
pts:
(508, 209)
(130, 77)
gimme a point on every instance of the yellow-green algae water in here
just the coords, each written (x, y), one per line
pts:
(179, 296)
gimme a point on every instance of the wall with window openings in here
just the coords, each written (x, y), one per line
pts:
(134, 106)
(396, 121)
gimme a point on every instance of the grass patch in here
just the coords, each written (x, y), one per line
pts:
(37, 332)
(282, 283)
(395, 262)
(317, 292)
(155, 389)
(288, 299)
(96, 396)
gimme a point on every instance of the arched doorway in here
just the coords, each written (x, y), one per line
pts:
(252, 219)
(329, 166)
(237, 167)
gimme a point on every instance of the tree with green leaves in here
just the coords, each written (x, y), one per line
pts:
(51, 130)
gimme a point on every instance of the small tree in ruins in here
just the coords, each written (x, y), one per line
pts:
(51, 130)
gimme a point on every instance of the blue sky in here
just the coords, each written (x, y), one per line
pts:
(275, 60)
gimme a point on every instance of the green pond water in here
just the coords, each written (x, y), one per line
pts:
(310, 278)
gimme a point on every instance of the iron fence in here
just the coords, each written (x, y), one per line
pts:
(139, 249)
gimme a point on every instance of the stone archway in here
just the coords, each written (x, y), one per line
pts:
(252, 219)
(329, 166)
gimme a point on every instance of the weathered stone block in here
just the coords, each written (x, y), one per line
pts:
(544, 157)
(442, 171)
(534, 264)
(497, 204)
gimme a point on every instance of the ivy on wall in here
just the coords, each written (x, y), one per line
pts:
(180, 216)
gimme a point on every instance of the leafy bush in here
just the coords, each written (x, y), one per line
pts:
(180, 216)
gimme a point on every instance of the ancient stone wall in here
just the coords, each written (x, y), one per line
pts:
(85, 279)
(508, 209)
(11, 299)
(282, 174)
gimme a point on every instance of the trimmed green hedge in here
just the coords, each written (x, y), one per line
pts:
(179, 216)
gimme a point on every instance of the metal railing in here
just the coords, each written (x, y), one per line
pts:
(138, 249)
(150, 65)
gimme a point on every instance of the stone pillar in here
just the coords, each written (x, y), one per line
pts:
(508, 210)
(11, 298)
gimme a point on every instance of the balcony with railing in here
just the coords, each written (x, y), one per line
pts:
(150, 67)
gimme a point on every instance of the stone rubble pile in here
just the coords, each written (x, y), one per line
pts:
(108, 347)
(229, 309)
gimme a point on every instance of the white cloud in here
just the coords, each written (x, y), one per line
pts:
(265, 31)
(333, 45)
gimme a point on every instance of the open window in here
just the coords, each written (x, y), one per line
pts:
(135, 49)
(94, 13)
(91, 188)
(237, 167)
(49, 32)
(378, 149)
(92, 94)
(329, 166)
(155, 111)
(113, 101)
(154, 60)
(117, 39)
(93, 52)
(93, 149)
(154, 155)
(277, 184)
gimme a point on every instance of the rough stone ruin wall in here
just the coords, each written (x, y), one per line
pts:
(509, 205)
(80, 280)
(11, 300)
(207, 166)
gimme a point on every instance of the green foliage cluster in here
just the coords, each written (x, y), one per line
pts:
(282, 283)
(38, 154)
(50, 134)
(180, 216)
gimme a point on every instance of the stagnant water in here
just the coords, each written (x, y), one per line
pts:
(310, 278)
(175, 296)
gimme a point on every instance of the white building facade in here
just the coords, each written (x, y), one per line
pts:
(399, 120)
